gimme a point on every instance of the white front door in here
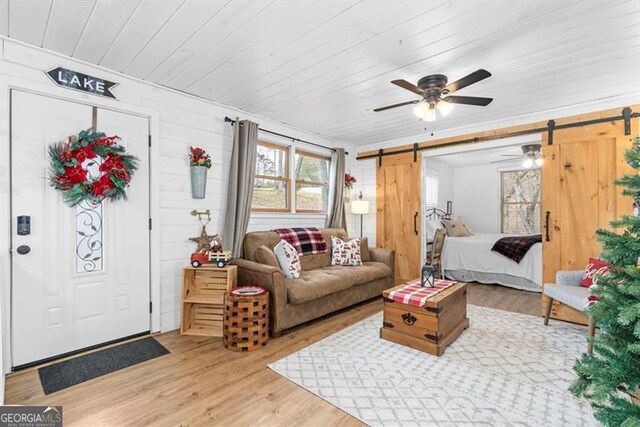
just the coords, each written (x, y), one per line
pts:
(85, 278)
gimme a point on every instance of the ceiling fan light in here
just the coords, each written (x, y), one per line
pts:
(420, 110)
(539, 161)
(430, 114)
(528, 162)
(444, 107)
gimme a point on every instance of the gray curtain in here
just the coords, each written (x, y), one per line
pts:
(336, 216)
(240, 187)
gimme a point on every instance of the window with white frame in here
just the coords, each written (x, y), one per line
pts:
(312, 182)
(271, 185)
(273, 190)
(520, 201)
(431, 183)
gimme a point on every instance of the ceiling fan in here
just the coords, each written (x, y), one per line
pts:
(435, 91)
(530, 154)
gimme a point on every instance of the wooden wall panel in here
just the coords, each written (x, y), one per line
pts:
(398, 200)
(579, 191)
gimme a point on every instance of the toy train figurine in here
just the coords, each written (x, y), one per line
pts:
(220, 258)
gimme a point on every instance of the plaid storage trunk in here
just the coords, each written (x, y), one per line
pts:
(306, 240)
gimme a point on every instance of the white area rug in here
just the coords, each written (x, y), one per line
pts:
(506, 369)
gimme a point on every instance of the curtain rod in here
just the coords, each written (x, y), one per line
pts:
(233, 122)
(626, 115)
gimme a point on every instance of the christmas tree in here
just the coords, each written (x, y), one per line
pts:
(611, 375)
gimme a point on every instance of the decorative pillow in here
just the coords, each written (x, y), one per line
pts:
(288, 258)
(456, 228)
(345, 253)
(364, 249)
(265, 256)
(596, 267)
(465, 222)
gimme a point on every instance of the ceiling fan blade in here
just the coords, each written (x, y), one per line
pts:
(388, 107)
(472, 78)
(469, 100)
(408, 86)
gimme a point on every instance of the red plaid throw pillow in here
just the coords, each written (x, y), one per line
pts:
(594, 267)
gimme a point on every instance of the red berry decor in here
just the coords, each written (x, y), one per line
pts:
(90, 166)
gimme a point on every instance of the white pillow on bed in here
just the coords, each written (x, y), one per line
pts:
(456, 228)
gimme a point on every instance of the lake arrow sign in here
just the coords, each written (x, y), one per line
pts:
(82, 82)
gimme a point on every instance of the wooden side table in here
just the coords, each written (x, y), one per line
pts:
(203, 290)
(246, 318)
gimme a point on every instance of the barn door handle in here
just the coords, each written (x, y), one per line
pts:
(547, 215)
(415, 223)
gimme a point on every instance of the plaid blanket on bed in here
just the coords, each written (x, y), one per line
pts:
(415, 295)
(515, 248)
(307, 241)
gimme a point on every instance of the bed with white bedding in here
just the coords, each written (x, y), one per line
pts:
(470, 259)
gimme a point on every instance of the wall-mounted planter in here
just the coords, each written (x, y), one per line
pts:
(198, 181)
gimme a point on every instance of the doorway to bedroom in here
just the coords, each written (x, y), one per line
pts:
(80, 274)
(482, 194)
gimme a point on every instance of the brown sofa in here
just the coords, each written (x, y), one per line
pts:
(321, 288)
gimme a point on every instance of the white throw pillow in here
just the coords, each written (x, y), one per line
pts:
(465, 222)
(456, 228)
(345, 253)
(288, 258)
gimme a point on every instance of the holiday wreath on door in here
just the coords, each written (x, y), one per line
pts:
(90, 166)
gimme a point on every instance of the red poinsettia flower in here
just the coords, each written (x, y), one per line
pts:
(75, 175)
(83, 153)
(101, 185)
(110, 163)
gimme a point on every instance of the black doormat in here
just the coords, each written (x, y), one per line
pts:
(84, 368)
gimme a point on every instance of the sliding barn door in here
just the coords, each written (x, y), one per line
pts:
(398, 213)
(579, 197)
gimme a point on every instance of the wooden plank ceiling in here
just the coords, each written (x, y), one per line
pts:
(323, 66)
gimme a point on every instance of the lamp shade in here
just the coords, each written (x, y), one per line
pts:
(360, 207)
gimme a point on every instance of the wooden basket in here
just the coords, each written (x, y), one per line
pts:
(246, 321)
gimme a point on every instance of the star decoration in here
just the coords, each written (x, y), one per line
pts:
(203, 241)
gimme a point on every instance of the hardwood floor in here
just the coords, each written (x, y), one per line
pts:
(202, 383)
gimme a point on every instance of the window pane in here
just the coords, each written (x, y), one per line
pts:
(312, 197)
(521, 186)
(312, 169)
(271, 161)
(431, 183)
(269, 194)
(521, 218)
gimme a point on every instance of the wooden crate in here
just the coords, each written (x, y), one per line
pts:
(430, 328)
(203, 292)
